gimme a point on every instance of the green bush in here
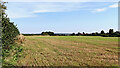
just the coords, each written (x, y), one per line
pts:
(10, 50)
(9, 30)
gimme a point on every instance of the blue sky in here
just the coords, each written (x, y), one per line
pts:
(63, 17)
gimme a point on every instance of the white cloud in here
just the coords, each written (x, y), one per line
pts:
(25, 10)
(19, 13)
(100, 10)
(103, 9)
(16, 10)
(42, 11)
(57, 7)
(114, 5)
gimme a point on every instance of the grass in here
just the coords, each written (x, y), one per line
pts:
(69, 51)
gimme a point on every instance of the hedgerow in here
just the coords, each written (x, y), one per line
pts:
(9, 33)
(9, 30)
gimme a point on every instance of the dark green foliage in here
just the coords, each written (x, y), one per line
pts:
(47, 33)
(105, 35)
(73, 34)
(102, 32)
(83, 33)
(9, 48)
(31, 34)
(10, 56)
(117, 34)
(78, 34)
(9, 31)
(111, 31)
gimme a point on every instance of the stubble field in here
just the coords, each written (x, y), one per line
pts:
(69, 51)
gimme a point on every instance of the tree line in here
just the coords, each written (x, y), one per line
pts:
(111, 33)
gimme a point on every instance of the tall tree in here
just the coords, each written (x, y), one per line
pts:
(102, 32)
(83, 33)
(111, 31)
(9, 30)
(73, 34)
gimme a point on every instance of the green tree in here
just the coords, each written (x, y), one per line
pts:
(48, 33)
(102, 32)
(111, 31)
(83, 33)
(73, 34)
(9, 30)
(78, 34)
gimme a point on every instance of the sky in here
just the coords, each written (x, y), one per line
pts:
(63, 17)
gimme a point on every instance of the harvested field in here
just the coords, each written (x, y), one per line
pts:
(69, 50)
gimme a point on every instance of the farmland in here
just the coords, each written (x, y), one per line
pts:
(69, 50)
